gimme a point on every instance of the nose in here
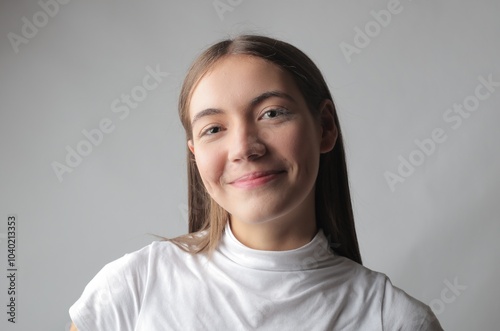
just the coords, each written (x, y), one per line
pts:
(246, 144)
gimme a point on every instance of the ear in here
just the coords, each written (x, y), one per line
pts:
(191, 146)
(329, 132)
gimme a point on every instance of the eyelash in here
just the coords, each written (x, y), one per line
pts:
(279, 111)
(205, 132)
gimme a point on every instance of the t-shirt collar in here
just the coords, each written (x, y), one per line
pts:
(309, 256)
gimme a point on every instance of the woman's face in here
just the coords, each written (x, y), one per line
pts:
(255, 142)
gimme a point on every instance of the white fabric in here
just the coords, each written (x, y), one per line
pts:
(161, 287)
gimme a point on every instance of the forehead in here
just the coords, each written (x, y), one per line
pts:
(236, 79)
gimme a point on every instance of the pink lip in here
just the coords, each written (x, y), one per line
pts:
(255, 179)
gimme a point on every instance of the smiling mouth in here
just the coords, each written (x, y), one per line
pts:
(256, 179)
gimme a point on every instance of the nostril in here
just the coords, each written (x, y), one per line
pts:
(245, 143)
(253, 157)
(256, 150)
(248, 151)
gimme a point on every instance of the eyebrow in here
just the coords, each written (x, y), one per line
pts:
(254, 102)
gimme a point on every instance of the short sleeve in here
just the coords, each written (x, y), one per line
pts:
(402, 312)
(112, 299)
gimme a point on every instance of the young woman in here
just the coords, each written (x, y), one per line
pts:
(272, 242)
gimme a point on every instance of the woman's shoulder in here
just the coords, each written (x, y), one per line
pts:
(118, 288)
(358, 274)
(399, 309)
(135, 267)
(152, 252)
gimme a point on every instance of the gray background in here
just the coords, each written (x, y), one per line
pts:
(439, 226)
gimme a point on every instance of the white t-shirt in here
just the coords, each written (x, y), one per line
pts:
(161, 287)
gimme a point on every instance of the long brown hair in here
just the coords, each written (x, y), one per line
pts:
(333, 202)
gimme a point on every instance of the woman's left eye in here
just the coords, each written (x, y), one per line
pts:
(272, 113)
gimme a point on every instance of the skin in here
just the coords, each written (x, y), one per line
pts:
(239, 129)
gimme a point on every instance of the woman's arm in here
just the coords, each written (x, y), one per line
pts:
(73, 327)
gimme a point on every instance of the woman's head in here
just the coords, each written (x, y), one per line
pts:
(283, 122)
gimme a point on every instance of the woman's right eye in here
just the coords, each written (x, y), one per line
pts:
(211, 130)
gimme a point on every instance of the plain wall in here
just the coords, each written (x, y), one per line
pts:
(438, 225)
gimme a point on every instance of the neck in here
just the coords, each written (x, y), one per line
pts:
(280, 234)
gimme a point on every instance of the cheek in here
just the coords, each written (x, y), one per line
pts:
(210, 165)
(299, 140)
(302, 146)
